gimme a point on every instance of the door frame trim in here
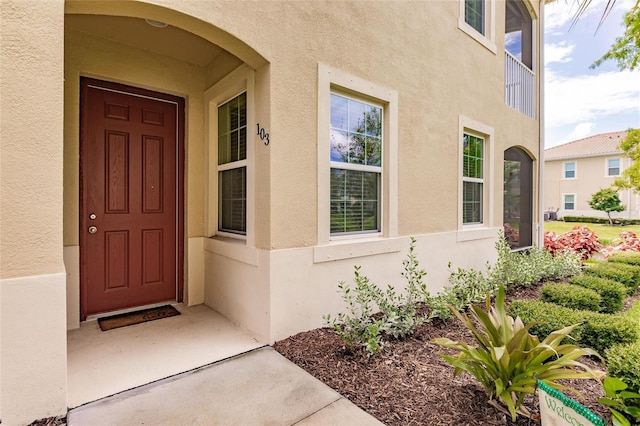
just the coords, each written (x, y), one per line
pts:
(85, 84)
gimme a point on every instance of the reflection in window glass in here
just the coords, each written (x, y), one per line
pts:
(356, 165)
(569, 170)
(613, 167)
(474, 14)
(569, 202)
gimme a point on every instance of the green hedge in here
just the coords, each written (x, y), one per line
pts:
(612, 272)
(612, 293)
(634, 270)
(629, 257)
(624, 363)
(616, 221)
(571, 296)
(597, 331)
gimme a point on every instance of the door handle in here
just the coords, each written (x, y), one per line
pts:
(93, 229)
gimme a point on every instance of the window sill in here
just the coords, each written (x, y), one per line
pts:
(474, 34)
(339, 250)
(232, 248)
(476, 233)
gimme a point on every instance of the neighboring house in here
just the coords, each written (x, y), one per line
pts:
(246, 155)
(574, 171)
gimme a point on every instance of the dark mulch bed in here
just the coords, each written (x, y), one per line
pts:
(409, 383)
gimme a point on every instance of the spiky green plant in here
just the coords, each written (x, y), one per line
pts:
(508, 359)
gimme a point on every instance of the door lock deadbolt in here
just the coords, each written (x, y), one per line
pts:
(93, 229)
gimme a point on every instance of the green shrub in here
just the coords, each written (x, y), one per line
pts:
(634, 270)
(623, 404)
(507, 359)
(601, 331)
(612, 293)
(624, 363)
(610, 272)
(548, 316)
(571, 296)
(584, 219)
(467, 286)
(629, 257)
(597, 331)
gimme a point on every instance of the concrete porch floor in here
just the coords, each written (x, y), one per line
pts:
(103, 363)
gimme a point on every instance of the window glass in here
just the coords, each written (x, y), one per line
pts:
(518, 30)
(356, 165)
(613, 167)
(518, 198)
(232, 170)
(569, 170)
(472, 177)
(474, 14)
(569, 202)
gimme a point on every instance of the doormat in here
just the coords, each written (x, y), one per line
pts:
(137, 317)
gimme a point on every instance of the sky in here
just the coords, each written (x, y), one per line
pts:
(579, 101)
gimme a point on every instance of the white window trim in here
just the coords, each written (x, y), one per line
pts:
(486, 229)
(575, 201)
(606, 167)
(332, 247)
(564, 170)
(488, 40)
(238, 81)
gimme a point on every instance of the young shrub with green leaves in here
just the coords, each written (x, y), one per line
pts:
(610, 272)
(633, 269)
(612, 293)
(571, 296)
(624, 363)
(508, 359)
(597, 331)
(628, 257)
(467, 286)
(623, 404)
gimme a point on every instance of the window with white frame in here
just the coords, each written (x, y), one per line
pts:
(569, 201)
(232, 165)
(477, 19)
(570, 170)
(613, 167)
(472, 179)
(356, 164)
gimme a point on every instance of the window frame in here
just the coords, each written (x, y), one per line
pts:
(564, 170)
(331, 80)
(608, 167)
(564, 201)
(474, 179)
(471, 231)
(239, 81)
(488, 39)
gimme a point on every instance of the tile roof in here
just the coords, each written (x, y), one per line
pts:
(593, 146)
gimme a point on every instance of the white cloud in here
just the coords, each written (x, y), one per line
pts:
(582, 130)
(562, 12)
(558, 52)
(587, 98)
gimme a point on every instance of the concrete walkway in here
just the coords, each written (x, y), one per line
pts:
(260, 387)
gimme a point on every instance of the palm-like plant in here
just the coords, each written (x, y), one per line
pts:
(507, 359)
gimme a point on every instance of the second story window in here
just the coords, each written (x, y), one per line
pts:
(570, 170)
(613, 167)
(474, 14)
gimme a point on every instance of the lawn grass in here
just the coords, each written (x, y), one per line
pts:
(606, 234)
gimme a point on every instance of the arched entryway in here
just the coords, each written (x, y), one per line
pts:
(518, 198)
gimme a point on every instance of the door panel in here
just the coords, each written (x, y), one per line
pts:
(131, 179)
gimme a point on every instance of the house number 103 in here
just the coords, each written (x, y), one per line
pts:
(264, 136)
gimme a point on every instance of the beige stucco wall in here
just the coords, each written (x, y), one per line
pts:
(590, 178)
(32, 278)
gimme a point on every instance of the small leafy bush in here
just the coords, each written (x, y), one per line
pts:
(624, 363)
(612, 293)
(585, 219)
(467, 286)
(571, 296)
(633, 269)
(629, 257)
(508, 359)
(610, 272)
(627, 243)
(579, 239)
(361, 326)
(597, 331)
(623, 404)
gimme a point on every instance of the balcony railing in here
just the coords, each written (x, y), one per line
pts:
(519, 86)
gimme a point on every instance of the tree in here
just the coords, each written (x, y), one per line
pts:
(626, 49)
(631, 176)
(606, 200)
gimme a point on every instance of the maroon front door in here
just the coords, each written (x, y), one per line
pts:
(130, 197)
